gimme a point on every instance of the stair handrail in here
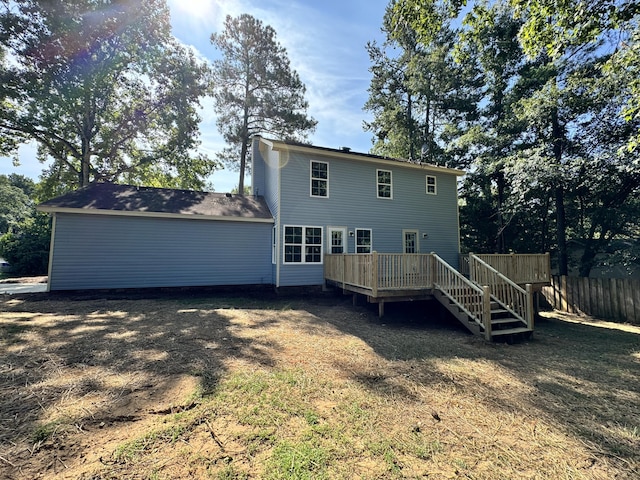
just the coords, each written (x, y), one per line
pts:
(475, 305)
(516, 303)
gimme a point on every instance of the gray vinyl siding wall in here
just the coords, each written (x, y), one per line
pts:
(353, 203)
(265, 178)
(104, 251)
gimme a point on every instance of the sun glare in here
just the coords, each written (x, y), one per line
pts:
(194, 8)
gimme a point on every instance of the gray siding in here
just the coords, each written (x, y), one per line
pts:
(353, 203)
(101, 251)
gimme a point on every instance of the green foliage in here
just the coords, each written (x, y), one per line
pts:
(26, 248)
(255, 90)
(552, 148)
(15, 203)
(104, 89)
(420, 96)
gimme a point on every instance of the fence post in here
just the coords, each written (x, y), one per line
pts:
(530, 310)
(472, 275)
(374, 274)
(486, 311)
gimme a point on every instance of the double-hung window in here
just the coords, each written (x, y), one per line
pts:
(385, 187)
(431, 185)
(319, 179)
(302, 244)
(363, 240)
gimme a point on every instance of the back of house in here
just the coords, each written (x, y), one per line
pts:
(306, 202)
(336, 201)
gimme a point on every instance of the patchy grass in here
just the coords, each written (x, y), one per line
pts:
(105, 387)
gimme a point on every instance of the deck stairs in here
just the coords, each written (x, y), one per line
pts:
(488, 303)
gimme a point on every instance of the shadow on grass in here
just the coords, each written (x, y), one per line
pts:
(108, 352)
(583, 378)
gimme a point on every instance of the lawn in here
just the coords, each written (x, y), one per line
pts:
(203, 385)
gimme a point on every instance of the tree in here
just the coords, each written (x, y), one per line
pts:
(15, 201)
(547, 130)
(104, 89)
(27, 248)
(255, 90)
(421, 98)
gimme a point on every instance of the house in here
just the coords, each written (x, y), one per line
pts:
(307, 202)
(327, 201)
(108, 236)
(375, 226)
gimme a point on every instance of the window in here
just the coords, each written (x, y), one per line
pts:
(363, 240)
(336, 240)
(410, 241)
(302, 244)
(319, 179)
(431, 185)
(385, 189)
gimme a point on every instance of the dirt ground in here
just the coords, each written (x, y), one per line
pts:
(84, 376)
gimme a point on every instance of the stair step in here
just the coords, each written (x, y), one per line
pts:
(509, 331)
(500, 321)
(499, 310)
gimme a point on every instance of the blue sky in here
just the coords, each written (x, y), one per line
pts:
(325, 41)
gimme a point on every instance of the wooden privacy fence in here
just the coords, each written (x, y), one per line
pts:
(607, 298)
(521, 268)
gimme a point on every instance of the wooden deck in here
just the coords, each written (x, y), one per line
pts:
(486, 300)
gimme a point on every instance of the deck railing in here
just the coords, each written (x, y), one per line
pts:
(380, 271)
(521, 268)
(472, 299)
(511, 295)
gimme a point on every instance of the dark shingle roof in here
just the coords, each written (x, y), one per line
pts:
(162, 201)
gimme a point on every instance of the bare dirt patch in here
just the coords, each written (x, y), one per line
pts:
(211, 386)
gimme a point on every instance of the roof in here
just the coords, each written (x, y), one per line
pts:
(114, 199)
(345, 152)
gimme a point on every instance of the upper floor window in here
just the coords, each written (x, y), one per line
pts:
(302, 244)
(432, 188)
(319, 179)
(385, 187)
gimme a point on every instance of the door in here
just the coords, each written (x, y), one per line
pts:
(410, 241)
(337, 240)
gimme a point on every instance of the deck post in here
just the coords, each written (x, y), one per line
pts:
(374, 274)
(530, 310)
(344, 269)
(381, 308)
(486, 311)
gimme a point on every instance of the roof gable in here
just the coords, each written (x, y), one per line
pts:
(110, 198)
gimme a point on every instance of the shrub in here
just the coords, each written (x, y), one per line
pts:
(27, 247)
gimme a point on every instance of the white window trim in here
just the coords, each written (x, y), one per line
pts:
(345, 244)
(303, 245)
(404, 243)
(435, 185)
(378, 170)
(311, 178)
(356, 241)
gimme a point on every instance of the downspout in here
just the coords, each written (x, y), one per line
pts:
(278, 227)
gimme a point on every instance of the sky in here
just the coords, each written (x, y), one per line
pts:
(325, 41)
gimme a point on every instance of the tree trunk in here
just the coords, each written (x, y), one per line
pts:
(500, 244)
(85, 166)
(412, 152)
(561, 232)
(561, 223)
(243, 164)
